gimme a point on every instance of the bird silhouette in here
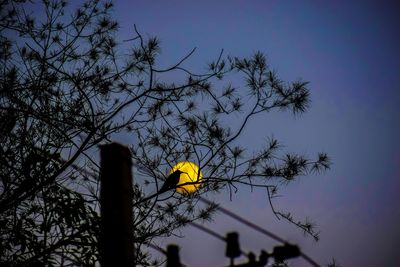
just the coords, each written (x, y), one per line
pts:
(171, 182)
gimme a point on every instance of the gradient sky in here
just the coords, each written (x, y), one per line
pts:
(349, 51)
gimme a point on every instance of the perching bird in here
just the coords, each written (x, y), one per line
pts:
(171, 182)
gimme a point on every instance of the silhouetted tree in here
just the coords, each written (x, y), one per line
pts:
(68, 84)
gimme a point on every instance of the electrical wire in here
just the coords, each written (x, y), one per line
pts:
(310, 260)
(208, 231)
(257, 228)
(213, 233)
(249, 224)
(155, 247)
(244, 221)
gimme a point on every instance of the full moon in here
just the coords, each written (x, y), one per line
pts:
(191, 175)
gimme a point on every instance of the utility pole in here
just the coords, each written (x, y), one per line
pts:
(116, 195)
(173, 256)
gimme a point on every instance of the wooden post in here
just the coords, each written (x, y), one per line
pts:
(173, 256)
(116, 192)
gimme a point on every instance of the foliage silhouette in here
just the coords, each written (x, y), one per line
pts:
(69, 84)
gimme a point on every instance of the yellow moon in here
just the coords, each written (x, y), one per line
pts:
(191, 175)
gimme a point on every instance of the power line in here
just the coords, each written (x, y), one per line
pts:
(310, 260)
(208, 231)
(233, 249)
(249, 224)
(257, 228)
(155, 247)
(244, 221)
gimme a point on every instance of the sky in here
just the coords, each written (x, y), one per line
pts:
(348, 50)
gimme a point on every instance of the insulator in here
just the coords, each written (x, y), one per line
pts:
(285, 252)
(232, 245)
(263, 259)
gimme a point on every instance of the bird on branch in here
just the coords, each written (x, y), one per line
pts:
(171, 182)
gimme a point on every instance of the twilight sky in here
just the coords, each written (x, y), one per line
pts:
(349, 51)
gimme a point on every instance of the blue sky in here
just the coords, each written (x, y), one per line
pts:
(348, 50)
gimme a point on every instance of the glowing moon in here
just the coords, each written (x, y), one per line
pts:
(191, 175)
